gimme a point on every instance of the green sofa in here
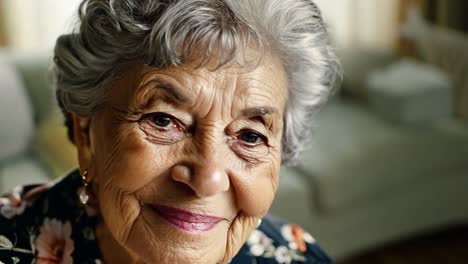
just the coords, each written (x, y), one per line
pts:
(34, 147)
(366, 181)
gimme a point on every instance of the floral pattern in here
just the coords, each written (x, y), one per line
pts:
(260, 245)
(54, 244)
(15, 203)
(12, 205)
(45, 224)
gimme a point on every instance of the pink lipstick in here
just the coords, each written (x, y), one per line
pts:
(188, 221)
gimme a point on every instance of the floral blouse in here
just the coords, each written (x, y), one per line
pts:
(46, 224)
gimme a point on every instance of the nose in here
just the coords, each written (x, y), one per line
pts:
(206, 178)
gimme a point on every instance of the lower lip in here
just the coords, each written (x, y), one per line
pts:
(186, 221)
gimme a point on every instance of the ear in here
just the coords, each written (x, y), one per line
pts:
(82, 138)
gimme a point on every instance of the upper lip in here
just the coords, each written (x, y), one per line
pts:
(185, 215)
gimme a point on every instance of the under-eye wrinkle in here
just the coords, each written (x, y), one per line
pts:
(162, 128)
(246, 151)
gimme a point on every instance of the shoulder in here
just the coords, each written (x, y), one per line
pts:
(33, 217)
(17, 225)
(276, 241)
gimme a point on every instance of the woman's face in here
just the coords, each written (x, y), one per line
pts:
(185, 161)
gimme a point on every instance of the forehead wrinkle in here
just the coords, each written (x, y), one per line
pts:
(260, 81)
(216, 90)
(203, 84)
(145, 97)
(262, 92)
(169, 82)
(229, 88)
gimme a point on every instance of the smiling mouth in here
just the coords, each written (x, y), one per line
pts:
(185, 220)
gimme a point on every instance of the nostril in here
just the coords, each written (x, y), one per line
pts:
(181, 173)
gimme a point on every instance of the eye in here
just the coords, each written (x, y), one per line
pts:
(161, 119)
(252, 137)
(162, 128)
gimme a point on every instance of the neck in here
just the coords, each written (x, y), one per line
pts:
(111, 250)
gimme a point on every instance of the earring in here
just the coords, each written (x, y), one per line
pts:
(259, 222)
(84, 197)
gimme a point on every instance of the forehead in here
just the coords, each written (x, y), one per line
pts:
(265, 77)
(236, 85)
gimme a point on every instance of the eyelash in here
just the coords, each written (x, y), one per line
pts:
(180, 127)
(172, 133)
(176, 123)
(264, 139)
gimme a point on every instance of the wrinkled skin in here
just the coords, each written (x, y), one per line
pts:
(198, 149)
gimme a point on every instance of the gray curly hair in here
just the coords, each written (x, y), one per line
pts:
(161, 33)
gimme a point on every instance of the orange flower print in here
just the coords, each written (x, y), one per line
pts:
(54, 245)
(297, 233)
(297, 237)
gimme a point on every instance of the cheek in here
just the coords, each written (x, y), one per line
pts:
(125, 163)
(256, 190)
(255, 187)
(128, 161)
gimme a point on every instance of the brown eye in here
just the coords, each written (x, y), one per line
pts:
(252, 137)
(161, 119)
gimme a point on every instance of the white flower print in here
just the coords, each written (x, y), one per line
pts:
(259, 243)
(12, 205)
(16, 202)
(308, 238)
(282, 255)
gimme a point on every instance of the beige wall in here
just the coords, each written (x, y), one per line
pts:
(35, 24)
(362, 23)
(2, 26)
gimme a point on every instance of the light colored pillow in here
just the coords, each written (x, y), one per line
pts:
(16, 119)
(410, 92)
(54, 147)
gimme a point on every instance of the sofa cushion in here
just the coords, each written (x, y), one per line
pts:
(409, 92)
(34, 70)
(16, 131)
(358, 158)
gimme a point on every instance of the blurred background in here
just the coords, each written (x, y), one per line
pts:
(385, 177)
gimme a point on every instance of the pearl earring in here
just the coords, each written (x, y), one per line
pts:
(84, 197)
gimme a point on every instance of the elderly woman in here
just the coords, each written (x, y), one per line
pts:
(182, 112)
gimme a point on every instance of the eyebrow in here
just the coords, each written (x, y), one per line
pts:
(261, 112)
(258, 111)
(173, 92)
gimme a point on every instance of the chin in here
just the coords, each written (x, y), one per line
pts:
(155, 240)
